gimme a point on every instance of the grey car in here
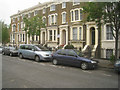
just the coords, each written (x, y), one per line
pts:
(36, 52)
(12, 51)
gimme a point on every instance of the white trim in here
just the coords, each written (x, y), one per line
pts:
(65, 17)
(74, 14)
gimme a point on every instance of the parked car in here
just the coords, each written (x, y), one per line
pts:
(36, 52)
(74, 58)
(12, 51)
(1, 47)
(117, 65)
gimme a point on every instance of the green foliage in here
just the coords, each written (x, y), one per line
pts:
(33, 26)
(5, 33)
(112, 59)
(69, 47)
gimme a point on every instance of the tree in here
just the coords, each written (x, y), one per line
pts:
(26, 28)
(105, 12)
(5, 32)
(40, 24)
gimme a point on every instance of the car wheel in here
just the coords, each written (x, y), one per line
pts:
(3, 53)
(20, 56)
(55, 62)
(37, 58)
(84, 65)
(11, 54)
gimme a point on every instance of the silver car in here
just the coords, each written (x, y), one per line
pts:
(35, 52)
(1, 48)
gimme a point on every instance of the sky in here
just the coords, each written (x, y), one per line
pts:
(10, 7)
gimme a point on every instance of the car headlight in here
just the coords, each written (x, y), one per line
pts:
(93, 62)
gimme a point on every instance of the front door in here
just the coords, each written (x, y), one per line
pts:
(92, 36)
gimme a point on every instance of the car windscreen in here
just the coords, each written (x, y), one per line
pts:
(41, 48)
(11, 48)
(79, 53)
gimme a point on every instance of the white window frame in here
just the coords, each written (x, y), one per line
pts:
(54, 35)
(18, 18)
(35, 12)
(74, 33)
(13, 27)
(20, 37)
(63, 5)
(23, 37)
(44, 18)
(22, 25)
(44, 10)
(52, 19)
(18, 26)
(13, 20)
(50, 35)
(79, 15)
(109, 35)
(63, 17)
(52, 7)
(80, 33)
(76, 2)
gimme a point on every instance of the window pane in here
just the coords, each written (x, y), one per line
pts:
(54, 34)
(64, 5)
(80, 14)
(109, 52)
(50, 35)
(109, 35)
(80, 33)
(75, 33)
(64, 17)
(52, 19)
(72, 16)
(76, 15)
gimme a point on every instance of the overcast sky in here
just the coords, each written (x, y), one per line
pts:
(10, 7)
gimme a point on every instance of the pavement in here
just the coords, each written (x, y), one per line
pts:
(103, 63)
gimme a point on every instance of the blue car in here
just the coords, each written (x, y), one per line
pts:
(117, 65)
(73, 58)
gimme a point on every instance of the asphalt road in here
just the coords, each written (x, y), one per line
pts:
(23, 73)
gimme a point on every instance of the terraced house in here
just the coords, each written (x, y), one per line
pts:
(65, 25)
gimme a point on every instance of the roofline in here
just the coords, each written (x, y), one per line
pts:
(31, 8)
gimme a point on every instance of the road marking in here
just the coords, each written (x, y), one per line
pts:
(53, 65)
(25, 86)
(107, 75)
(86, 71)
(42, 64)
(12, 80)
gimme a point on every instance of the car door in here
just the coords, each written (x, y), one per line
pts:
(61, 56)
(24, 51)
(31, 52)
(7, 50)
(72, 58)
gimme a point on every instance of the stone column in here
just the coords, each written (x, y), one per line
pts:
(88, 36)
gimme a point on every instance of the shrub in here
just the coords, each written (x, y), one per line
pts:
(112, 59)
(69, 47)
